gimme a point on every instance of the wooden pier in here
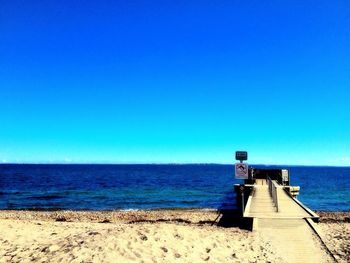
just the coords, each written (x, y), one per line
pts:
(277, 215)
(268, 199)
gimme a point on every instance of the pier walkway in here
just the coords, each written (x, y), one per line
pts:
(262, 205)
(286, 223)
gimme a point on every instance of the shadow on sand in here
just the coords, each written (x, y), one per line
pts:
(233, 218)
(230, 214)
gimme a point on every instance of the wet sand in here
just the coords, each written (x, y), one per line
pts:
(149, 236)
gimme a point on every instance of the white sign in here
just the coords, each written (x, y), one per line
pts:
(241, 171)
(285, 176)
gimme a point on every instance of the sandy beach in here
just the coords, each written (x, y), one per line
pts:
(149, 236)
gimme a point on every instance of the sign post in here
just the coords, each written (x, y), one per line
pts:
(242, 197)
(242, 172)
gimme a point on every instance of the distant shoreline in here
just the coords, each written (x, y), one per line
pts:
(176, 164)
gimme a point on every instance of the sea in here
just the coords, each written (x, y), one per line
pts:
(155, 186)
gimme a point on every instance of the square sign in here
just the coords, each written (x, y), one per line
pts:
(241, 171)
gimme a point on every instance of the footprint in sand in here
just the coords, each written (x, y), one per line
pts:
(93, 233)
(207, 258)
(177, 236)
(143, 237)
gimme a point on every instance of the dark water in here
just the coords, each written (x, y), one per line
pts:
(106, 187)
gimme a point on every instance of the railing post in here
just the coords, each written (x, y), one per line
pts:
(242, 197)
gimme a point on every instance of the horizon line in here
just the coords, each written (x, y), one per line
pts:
(168, 163)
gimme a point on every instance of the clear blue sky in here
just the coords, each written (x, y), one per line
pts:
(175, 81)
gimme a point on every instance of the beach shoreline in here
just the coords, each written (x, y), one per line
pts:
(182, 235)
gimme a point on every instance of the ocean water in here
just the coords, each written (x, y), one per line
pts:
(109, 187)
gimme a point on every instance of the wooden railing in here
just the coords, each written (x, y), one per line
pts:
(273, 192)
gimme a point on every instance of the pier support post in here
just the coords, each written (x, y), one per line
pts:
(242, 197)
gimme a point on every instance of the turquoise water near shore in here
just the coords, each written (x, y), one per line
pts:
(109, 187)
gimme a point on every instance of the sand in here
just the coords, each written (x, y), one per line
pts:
(147, 236)
(335, 232)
